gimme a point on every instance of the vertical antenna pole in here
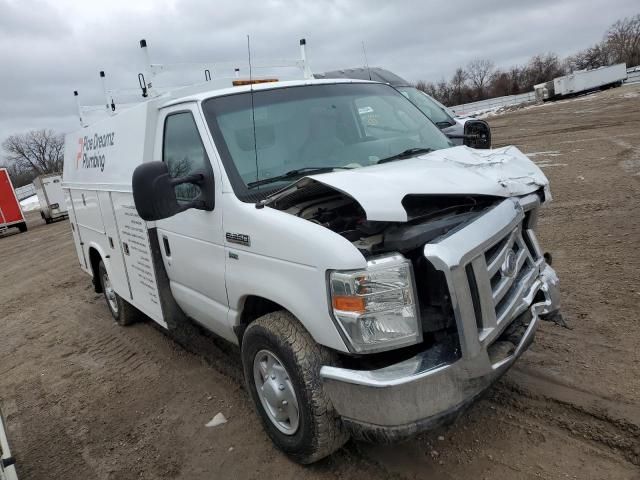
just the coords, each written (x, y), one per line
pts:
(366, 61)
(75, 94)
(147, 66)
(253, 113)
(306, 71)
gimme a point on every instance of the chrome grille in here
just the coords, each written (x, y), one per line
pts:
(498, 280)
(486, 295)
(504, 286)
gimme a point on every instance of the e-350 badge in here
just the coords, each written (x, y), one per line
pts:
(239, 238)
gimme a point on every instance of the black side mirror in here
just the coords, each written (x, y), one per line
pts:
(477, 134)
(155, 196)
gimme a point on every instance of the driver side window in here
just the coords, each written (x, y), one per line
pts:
(183, 152)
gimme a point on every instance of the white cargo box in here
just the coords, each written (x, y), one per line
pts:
(50, 196)
(98, 165)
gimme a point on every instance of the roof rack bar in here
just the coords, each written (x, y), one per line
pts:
(306, 71)
(148, 70)
(75, 94)
(108, 101)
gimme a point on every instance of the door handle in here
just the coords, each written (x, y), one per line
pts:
(167, 248)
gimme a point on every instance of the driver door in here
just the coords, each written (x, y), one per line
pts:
(192, 241)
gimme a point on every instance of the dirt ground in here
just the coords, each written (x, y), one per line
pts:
(86, 399)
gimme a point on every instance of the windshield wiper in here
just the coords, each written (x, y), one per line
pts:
(298, 172)
(410, 152)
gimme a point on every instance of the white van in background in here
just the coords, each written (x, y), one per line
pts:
(51, 197)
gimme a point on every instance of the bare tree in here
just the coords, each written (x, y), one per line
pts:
(623, 39)
(541, 68)
(38, 151)
(479, 71)
(457, 84)
(593, 57)
(443, 92)
(421, 85)
(500, 84)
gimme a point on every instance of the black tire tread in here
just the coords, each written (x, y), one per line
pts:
(127, 313)
(330, 433)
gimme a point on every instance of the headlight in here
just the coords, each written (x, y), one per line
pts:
(377, 308)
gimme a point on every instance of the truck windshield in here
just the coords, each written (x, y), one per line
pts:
(345, 125)
(430, 107)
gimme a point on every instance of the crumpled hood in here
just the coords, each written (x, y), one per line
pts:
(380, 189)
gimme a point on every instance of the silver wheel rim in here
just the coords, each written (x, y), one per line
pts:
(276, 392)
(110, 293)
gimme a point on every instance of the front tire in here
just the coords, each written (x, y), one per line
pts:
(122, 311)
(281, 363)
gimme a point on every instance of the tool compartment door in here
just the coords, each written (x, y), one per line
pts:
(75, 231)
(11, 211)
(138, 260)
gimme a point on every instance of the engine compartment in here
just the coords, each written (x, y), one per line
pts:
(429, 217)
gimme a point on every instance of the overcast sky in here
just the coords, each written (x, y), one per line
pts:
(48, 48)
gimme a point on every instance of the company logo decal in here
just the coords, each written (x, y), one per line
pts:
(91, 150)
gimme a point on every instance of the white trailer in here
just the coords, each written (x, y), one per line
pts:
(51, 197)
(582, 81)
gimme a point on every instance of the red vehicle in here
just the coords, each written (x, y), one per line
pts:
(10, 211)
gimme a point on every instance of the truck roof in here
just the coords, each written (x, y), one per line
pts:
(376, 74)
(104, 154)
(209, 93)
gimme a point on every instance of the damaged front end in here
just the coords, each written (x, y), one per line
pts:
(482, 285)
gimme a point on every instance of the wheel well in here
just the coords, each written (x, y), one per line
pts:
(254, 307)
(94, 260)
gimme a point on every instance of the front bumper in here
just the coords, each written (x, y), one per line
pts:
(422, 392)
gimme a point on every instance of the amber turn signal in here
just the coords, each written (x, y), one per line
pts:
(348, 303)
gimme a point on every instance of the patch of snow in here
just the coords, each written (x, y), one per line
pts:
(30, 203)
(549, 153)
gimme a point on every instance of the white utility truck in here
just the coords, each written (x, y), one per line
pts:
(51, 197)
(376, 279)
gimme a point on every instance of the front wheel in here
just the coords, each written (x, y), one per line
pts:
(123, 312)
(282, 371)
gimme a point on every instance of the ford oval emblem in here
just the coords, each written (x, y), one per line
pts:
(510, 264)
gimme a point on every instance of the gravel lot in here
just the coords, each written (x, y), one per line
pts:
(86, 399)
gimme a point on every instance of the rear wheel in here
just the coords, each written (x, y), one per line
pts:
(22, 227)
(282, 364)
(123, 312)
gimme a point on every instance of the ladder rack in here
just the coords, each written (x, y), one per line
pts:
(217, 75)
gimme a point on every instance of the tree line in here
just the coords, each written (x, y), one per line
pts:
(480, 79)
(28, 155)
